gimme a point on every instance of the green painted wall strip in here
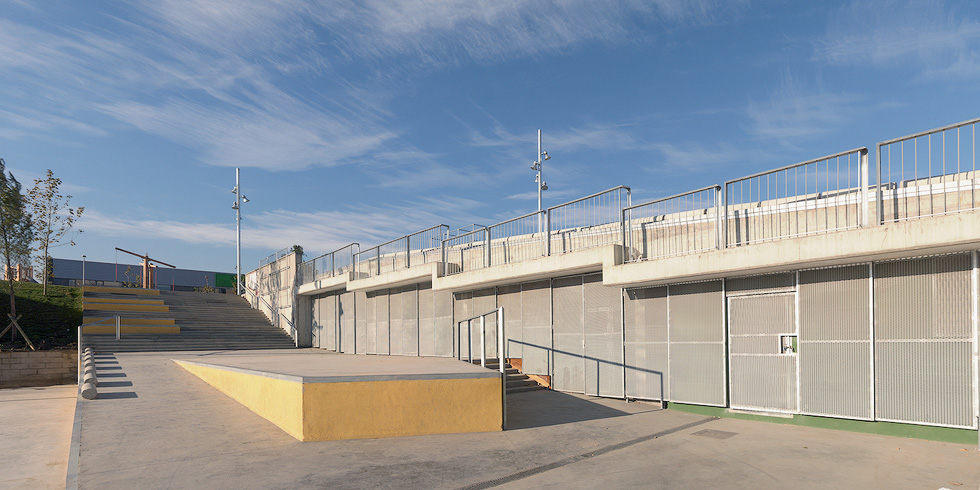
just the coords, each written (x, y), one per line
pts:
(944, 434)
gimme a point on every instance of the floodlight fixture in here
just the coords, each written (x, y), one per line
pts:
(244, 199)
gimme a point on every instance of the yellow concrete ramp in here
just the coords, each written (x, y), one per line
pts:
(321, 397)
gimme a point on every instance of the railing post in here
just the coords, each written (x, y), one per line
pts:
(864, 188)
(117, 327)
(377, 255)
(547, 236)
(880, 207)
(444, 261)
(719, 240)
(502, 339)
(623, 223)
(333, 265)
(469, 339)
(408, 251)
(486, 253)
(724, 218)
(483, 341)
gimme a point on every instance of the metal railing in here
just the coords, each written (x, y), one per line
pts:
(329, 264)
(498, 313)
(102, 321)
(679, 224)
(274, 257)
(929, 173)
(400, 253)
(586, 222)
(816, 196)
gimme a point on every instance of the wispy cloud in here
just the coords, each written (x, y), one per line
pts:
(796, 110)
(936, 39)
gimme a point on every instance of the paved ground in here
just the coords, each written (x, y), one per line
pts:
(35, 435)
(158, 426)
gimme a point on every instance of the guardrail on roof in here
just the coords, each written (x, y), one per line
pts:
(329, 264)
(400, 253)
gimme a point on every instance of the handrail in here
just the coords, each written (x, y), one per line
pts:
(675, 196)
(405, 236)
(99, 322)
(528, 215)
(862, 149)
(597, 194)
(930, 131)
(501, 347)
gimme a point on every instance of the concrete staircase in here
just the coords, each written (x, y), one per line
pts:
(517, 381)
(206, 321)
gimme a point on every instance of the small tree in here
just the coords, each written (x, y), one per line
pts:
(53, 219)
(15, 229)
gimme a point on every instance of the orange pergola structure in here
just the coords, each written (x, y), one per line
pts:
(149, 279)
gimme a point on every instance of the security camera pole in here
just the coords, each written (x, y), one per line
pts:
(542, 185)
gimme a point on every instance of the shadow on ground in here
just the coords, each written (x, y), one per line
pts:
(544, 408)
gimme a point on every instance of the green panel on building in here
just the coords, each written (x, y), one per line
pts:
(224, 280)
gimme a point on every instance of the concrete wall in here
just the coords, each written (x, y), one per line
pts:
(40, 368)
(272, 289)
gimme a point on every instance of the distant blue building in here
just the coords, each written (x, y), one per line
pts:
(68, 272)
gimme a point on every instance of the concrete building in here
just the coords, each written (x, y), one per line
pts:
(844, 287)
(68, 272)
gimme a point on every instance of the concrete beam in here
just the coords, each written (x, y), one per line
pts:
(326, 285)
(949, 233)
(418, 274)
(589, 260)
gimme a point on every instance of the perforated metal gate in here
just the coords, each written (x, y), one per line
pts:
(410, 321)
(509, 298)
(427, 321)
(325, 321)
(836, 355)
(762, 339)
(360, 333)
(646, 343)
(443, 311)
(569, 335)
(395, 322)
(370, 324)
(603, 337)
(924, 331)
(346, 317)
(696, 333)
(536, 315)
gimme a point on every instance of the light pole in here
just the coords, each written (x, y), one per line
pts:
(83, 271)
(541, 184)
(237, 206)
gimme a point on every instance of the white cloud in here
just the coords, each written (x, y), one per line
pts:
(797, 110)
(937, 39)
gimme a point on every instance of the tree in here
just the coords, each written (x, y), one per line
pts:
(15, 229)
(52, 220)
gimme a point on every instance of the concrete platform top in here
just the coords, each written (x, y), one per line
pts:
(317, 367)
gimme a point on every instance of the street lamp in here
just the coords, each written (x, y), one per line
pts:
(237, 206)
(541, 184)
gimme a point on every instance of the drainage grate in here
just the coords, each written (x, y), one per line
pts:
(714, 434)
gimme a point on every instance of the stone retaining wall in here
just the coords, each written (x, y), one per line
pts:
(41, 368)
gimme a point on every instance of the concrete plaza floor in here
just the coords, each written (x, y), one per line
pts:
(155, 425)
(35, 435)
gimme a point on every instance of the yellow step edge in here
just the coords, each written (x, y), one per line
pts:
(128, 321)
(109, 289)
(124, 307)
(124, 301)
(124, 329)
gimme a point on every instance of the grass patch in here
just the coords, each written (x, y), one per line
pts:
(49, 321)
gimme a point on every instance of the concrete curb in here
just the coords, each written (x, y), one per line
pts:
(71, 479)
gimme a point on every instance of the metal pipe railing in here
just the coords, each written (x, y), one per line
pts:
(924, 181)
(400, 253)
(329, 264)
(816, 196)
(683, 223)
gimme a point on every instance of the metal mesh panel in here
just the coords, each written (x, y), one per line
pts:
(645, 329)
(410, 322)
(315, 326)
(509, 298)
(360, 333)
(443, 325)
(603, 338)
(427, 321)
(697, 343)
(395, 322)
(381, 319)
(536, 315)
(329, 319)
(484, 301)
(370, 324)
(346, 315)
(835, 342)
(761, 377)
(463, 310)
(569, 373)
(768, 283)
(923, 346)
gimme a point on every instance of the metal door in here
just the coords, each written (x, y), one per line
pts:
(763, 346)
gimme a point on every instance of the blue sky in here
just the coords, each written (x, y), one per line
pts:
(366, 120)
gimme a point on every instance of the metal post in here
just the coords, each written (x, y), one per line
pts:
(117, 327)
(408, 251)
(469, 339)
(719, 244)
(547, 236)
(486, 254)
(864, 188)
(83, 271)
(483, 341)
(503, 370)
(238, 231)
(79, 344)
(878, 198)
(723, 243)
